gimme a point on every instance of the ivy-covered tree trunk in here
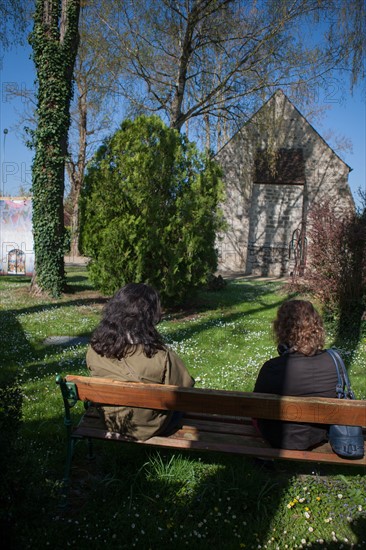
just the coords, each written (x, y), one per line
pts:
(54, 41)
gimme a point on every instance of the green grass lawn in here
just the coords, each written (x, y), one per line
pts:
(132, 497)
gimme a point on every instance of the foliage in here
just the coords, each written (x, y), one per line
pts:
(210, 62)
(151, 211)
(54, 42)
(336, 265)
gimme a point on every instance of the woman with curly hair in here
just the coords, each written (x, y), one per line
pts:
(126, 346)
(303, 368)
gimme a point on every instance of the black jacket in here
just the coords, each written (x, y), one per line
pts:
(296, 374)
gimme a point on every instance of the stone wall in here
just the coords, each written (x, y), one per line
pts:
(276, 212)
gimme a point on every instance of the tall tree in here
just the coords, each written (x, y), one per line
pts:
(54, 41)
(210, 59)
(94, 106)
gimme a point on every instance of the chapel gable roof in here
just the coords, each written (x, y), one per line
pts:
(279, 94)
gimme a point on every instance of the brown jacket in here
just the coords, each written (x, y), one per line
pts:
(165, 367)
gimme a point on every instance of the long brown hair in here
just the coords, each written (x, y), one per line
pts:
(129, 320)
(299, 327)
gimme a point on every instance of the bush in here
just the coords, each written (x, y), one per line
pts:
(336, 264)
(215, 282)
(150, 211)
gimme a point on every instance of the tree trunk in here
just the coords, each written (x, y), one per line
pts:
(76, 174)
(207, 132)
(54, 42)
(177, 118)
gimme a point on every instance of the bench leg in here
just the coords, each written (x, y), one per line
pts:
(66, 479)
(65, 487)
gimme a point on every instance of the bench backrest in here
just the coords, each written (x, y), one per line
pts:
(321, 410)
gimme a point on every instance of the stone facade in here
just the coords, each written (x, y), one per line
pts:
(274, 169)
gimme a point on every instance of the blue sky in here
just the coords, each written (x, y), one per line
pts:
(344, 116)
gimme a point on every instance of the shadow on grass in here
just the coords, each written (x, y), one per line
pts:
(137, 497)
(15, 279)
(14, 346)
(234, 293)
(78, 282)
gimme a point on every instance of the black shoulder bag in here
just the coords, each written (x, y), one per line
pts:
(346, 441)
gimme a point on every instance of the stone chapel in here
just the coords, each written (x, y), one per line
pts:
(274, 169)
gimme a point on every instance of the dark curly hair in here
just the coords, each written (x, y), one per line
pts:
(299, 327)
(129, 319)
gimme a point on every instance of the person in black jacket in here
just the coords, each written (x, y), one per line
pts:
(302, 368)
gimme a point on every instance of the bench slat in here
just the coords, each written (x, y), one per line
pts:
(227, 443)
(241, 404)
(221, 427)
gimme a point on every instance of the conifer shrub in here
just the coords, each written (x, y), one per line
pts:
(150, 211)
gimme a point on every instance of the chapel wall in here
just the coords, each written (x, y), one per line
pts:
(263, 219)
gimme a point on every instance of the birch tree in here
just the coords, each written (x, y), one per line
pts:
(94, 107)
(212, 60)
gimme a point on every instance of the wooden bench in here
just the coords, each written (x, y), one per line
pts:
(214, 420)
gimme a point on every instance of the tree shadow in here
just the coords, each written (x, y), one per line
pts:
(238, 292)
(156, 501)
(11, 403)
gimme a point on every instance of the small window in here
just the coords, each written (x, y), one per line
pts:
(285, 166)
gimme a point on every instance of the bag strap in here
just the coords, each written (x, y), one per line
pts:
(350, 392)
(343, 379)
(340, 383)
